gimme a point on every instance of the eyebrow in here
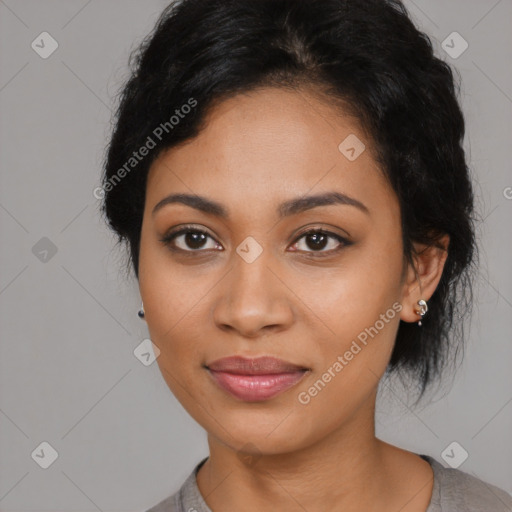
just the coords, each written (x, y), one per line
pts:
(290, 207)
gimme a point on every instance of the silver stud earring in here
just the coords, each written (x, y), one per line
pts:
(421, 309)
(141, 312)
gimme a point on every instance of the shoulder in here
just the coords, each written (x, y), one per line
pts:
(170, 504)
(186, 499)
(456, 490)
(175, 502)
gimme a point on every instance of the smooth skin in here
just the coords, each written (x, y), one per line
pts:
(299, 300)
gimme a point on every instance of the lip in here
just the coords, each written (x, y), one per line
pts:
(264, 365)
(255, 380)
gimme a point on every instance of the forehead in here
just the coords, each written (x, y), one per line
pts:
(260, 148)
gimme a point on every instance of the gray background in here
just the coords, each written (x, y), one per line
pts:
(68, 374)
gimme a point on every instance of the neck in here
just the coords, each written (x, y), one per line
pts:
(342, 470)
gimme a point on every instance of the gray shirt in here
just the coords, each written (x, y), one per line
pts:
(453, 491)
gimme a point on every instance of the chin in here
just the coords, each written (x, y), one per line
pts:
(268, 433)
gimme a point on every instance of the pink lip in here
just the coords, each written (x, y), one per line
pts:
(255, 380)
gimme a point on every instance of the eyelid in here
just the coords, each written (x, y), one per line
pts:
(173, 233)
(323, 228)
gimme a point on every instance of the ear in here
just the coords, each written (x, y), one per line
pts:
(422, 279)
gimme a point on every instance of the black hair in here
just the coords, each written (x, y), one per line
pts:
(366, 55)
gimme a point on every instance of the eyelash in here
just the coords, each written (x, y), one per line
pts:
(169, 238)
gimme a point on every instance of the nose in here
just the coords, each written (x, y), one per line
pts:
(253, 300)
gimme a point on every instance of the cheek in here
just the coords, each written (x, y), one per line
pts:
(364, 319)
(172, 301)
(356, 310)
(351, 296)
(170, 291)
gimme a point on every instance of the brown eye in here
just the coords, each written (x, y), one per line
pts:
(189, 239)
(318, 240)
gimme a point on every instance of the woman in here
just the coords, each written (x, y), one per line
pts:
(290, 180)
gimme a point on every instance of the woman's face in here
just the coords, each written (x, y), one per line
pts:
(256, 286)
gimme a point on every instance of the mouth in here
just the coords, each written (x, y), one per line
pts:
(255, 380)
